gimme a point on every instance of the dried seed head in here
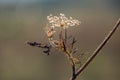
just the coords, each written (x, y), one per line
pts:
(62, 21)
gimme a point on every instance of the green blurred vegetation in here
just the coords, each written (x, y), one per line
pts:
(25, 21)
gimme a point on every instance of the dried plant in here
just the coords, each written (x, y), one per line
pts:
(62, 23)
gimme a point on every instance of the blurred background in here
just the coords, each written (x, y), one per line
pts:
(24, 20)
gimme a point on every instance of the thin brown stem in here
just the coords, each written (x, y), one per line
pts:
(70, 55)
(65, 36)
(73, 71)
(98, 49)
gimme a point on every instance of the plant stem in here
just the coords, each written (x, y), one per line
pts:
(66, 36)
(97, 50)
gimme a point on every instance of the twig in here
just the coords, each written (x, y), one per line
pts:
(73, 70)
(65, 36)
(80, 70)
(71, 59)
(69, 55)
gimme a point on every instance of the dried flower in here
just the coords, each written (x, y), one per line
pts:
(62, 21)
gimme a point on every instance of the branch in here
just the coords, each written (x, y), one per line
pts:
(80, 70)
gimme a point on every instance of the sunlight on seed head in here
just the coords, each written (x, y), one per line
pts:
(62, 21)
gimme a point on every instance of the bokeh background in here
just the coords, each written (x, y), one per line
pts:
(24, 20)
